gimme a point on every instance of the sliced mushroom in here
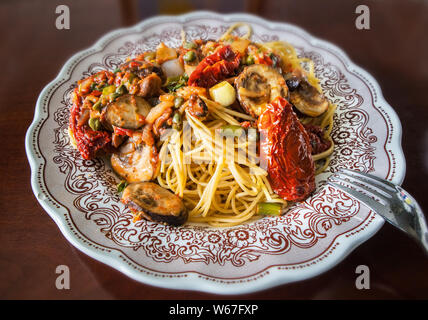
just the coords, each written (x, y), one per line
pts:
(128, 112)
(150, 86)
(135, 162)
(155, 203)
(307, 99)
(258, 85)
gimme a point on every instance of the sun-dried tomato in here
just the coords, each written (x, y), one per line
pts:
(214, 68)
(88, 141)
(287, 150)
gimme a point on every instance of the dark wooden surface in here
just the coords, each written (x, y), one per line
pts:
(32, 52)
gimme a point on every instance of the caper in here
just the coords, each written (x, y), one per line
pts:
(121, 90)
(249, 60)
(176, 118)
(97, 106)
(189, 56)
(176, 122)
(190, 45)
(95, 124)
(178, 101)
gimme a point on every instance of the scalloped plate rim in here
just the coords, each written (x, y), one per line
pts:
(275, 277)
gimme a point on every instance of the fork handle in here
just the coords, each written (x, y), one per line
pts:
(424, 241)
(420, 227)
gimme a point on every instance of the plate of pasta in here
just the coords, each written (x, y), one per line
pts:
(196, 147)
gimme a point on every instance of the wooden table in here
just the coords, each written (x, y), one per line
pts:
(394, 51)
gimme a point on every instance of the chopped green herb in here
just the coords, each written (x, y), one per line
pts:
(174, 83)
(101, 86)
(121, 186)
(116, 70)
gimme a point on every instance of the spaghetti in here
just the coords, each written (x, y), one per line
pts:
(217, 187)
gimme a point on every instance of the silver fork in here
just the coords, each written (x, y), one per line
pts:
(388, 200)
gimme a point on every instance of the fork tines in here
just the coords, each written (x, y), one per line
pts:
(366, 188)
(395, 205)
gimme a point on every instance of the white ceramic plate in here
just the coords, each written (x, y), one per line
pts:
(313, 237)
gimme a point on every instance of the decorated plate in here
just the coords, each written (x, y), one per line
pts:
(315, 235)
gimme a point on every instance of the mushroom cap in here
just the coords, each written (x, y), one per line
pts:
(155, 203)
(134, 162)
(127, 111)
(257, 85)
(308, 100)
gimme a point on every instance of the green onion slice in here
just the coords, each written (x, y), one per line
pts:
(269, 208)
